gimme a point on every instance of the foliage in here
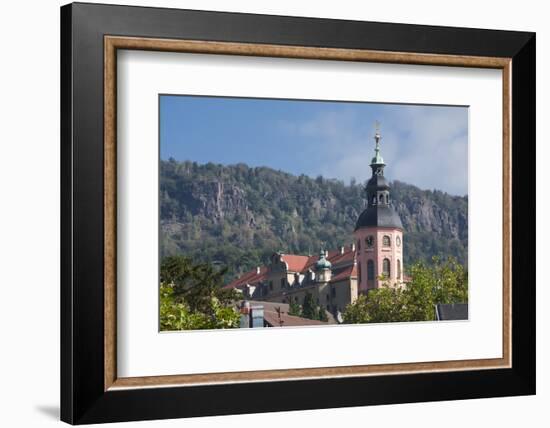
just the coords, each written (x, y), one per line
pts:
(238, 216)
(309, 308)
(191, 297)
(322, 316)
(445, 281)
(294, 309)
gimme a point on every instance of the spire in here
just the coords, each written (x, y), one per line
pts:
(377, 159)
(379, 211)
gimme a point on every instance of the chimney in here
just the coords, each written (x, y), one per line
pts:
(326, 253)
(342, 248)
(257, 270)
(353, 246)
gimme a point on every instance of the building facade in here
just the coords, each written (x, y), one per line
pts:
(330, 278)
(336, 278)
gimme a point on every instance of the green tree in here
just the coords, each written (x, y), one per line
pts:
(309, 308)
(445, 281)
(191, 297)
(294, 309)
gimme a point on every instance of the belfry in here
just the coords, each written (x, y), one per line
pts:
(378, 232)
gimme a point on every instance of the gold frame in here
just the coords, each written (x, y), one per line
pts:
(112, 43)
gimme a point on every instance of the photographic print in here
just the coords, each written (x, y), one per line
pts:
(293, 213)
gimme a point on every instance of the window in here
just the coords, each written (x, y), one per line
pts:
(283, 283)
(398, 269)
(270, 285)
(333, 292)
(386, 241)
(369, 241)
(370, 270)
(358, 245)
(386, 267)
(381, 198)
(359, 272)
(327, 300)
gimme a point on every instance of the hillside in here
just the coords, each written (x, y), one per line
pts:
(237, 215)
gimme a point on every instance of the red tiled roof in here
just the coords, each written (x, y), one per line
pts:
(339, 258)
(345, 274)
(294, 262)
(272, 318)
(251, 277)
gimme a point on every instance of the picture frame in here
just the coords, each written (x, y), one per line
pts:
(91, 391)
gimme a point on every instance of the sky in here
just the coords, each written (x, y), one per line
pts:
(426, 146)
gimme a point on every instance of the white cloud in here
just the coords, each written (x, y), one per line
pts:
(424, 146)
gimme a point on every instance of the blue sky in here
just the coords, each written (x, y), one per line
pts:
(422, 145)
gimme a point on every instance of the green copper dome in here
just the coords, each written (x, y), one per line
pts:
(377, 159)
(322, 263)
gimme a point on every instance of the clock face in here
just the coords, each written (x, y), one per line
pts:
(398, 241)
(369, 241)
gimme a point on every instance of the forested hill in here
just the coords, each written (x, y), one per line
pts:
(238, 216)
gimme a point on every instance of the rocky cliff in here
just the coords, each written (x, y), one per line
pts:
(237, 216)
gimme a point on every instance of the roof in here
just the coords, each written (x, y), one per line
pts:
(379, 216)
(251, 277)
(295, 262)
(337, 258)
(346, 273)
(272, 318)
(452, 311)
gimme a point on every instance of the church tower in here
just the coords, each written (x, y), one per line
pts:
(378, 232)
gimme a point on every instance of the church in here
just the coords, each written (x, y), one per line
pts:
(336, 278)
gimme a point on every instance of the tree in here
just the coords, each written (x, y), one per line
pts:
(294, 309)
(309, 308)
(442, 282)
(191, 297)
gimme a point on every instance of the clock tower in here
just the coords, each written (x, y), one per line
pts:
(379, 232)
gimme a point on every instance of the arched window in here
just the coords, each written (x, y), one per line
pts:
(387, 199)
(358, 245)
(374, 199)
(381, 198)
(370, 270)
(386, 267)
(398, 269)
(386, 241)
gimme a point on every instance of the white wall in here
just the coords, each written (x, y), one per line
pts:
(29, 229)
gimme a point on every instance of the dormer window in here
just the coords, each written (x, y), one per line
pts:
(386, 241)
